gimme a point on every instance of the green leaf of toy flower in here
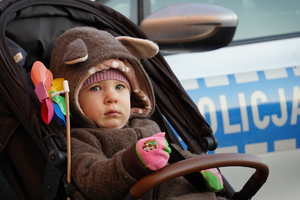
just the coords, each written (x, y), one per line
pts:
(60, 101)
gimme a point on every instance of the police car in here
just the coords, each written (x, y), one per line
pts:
(248, 91)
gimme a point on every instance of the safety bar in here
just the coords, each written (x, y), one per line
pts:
(145, 184)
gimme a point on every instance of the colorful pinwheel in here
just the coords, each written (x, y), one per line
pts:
(48, 91)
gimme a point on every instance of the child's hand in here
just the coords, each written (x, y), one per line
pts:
(213, 179)
(153, 151)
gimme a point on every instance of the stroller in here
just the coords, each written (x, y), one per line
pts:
(33, 154)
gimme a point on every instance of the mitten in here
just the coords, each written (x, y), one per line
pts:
(213, 179)
(153, 152)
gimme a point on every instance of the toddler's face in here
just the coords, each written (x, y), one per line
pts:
(107, 103)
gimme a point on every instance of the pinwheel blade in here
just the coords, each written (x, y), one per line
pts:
(47, 110)
(58, 115)
(41, 92)
(39, 73)
(57, 85)
(60, 101)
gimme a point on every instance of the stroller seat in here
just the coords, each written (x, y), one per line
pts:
(32, 153)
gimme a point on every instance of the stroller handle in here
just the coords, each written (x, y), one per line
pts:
(145, 184)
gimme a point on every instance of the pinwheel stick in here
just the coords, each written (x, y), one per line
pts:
(68, 135)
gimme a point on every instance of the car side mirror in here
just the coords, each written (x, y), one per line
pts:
(190, 27)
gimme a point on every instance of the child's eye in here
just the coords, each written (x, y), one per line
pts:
(120, 87)
(95, 88)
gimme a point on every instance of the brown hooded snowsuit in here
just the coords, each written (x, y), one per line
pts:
(104, 163)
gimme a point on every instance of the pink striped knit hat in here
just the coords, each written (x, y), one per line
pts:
(109, 74)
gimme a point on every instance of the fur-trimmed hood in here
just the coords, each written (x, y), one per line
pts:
(80, 52)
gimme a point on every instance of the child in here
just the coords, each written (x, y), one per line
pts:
(111, 97)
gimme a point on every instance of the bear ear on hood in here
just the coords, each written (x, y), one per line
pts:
(76, 52)
(139, 48)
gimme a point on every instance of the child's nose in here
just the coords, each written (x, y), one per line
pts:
(111, 97)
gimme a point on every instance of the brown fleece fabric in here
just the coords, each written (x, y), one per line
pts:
(99, 171)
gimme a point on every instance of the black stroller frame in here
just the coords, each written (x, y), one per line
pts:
(33, 154)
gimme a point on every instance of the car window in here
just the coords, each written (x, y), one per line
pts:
(257, 18)
(126, 7)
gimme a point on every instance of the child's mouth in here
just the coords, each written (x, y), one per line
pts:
(112, 112)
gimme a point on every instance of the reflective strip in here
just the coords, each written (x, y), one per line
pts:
(275, 74)
(296, 70)
(216, 81)
(231, 149)
(191, 84)
(282, 145)
(246, 77)
(256, 148)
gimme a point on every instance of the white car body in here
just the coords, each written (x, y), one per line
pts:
(249, 94)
